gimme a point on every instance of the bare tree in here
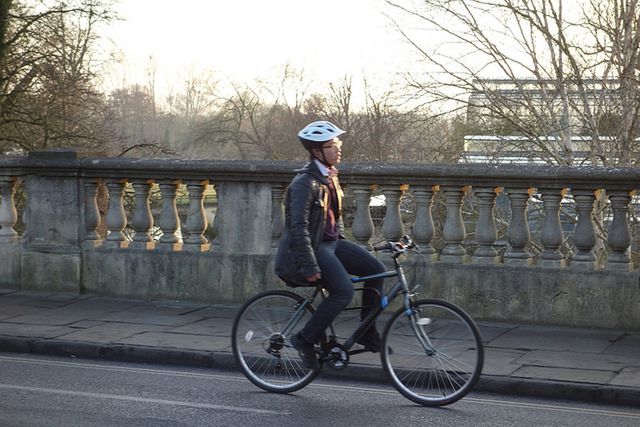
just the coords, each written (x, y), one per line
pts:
(261, 120)
(48, 96)
(132, 117)
(188, 110)
(533, 69)
(615, 31)
(384, 128)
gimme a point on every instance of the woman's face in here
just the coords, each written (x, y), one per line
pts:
(332, 151)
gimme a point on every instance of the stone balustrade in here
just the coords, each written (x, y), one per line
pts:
(69, 245)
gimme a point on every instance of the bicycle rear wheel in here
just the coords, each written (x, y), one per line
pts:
(262, 347)
(437, 352)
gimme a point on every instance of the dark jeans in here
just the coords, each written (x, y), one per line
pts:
(339, 260)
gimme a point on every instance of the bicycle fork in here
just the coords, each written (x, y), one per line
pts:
(416, 322)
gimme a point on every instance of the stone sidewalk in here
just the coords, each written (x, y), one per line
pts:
(585, 364)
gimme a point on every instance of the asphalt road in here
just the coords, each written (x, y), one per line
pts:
(48, 391)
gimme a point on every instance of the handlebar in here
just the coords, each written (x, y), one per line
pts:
(397, 248)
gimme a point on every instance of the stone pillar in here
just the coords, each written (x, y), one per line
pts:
(53, 213)
(243, 220)
(196, 219)
(454, 231)
(423, 229)
(142, 221)
(8, 213)
(619, 239)
(10, 271)
(584, 236)
(551, 236)
(116, 216)
(92, 238)
(486, 233)
(518, 234)
(169, 221)
(277, 213)
(392, 227)
(362, 227)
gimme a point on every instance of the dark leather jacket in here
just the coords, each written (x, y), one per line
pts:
(305, 214)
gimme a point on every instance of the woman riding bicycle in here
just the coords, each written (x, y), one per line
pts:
(313, 250)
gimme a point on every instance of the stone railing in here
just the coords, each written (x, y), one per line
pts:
(68, 245)
(484, 183)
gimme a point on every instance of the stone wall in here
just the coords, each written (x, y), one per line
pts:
(165, 255)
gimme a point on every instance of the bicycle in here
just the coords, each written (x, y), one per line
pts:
(431, 349)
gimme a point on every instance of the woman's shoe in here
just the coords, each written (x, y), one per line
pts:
(306, 351)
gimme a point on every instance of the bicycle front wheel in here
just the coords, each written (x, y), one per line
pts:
(433, 353)
(261, 341)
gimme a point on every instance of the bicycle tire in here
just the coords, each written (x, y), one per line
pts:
(444, 370)
(263, 353)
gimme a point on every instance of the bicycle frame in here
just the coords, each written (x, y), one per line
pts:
(400, 287)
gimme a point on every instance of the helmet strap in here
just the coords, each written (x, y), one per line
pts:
(323, 160)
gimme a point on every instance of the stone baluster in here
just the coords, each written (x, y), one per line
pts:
(551, 236)
(142, 221)
(392, 227)
(518, 234)
(423, 229)
(619, 239)
(116, 216)
(91, 213)
(169, 221)
(196, 219)
(584, 236)
(8, 213)
(215, 224)
(454, 231)
(362, 227)
(486, 233)
(277, 213)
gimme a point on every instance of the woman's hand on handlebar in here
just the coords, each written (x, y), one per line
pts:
(313, 277)
(382, 247)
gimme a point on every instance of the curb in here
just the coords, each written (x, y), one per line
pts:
(590, 392)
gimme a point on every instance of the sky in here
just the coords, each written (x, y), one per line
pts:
(247, 39)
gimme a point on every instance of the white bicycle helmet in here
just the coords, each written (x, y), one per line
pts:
(318, 132)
